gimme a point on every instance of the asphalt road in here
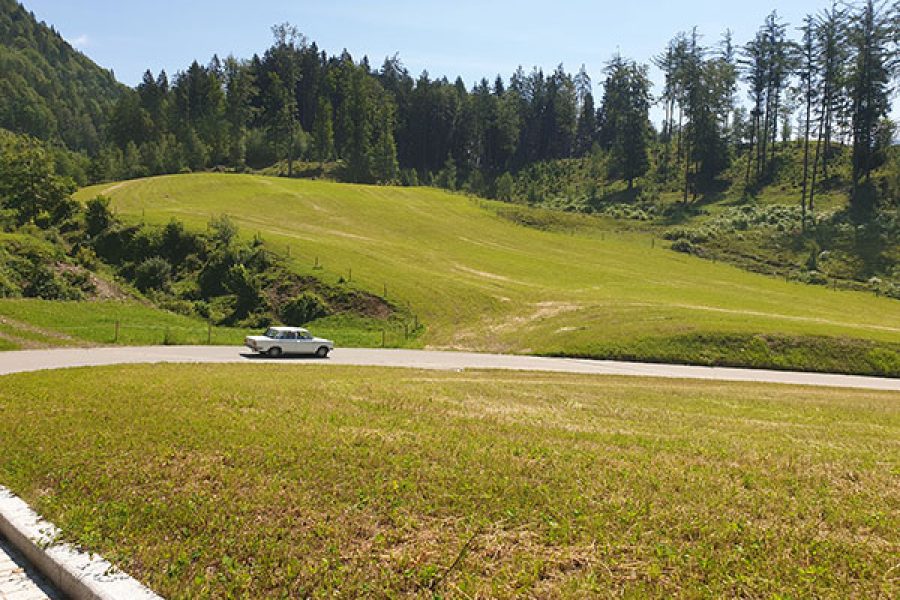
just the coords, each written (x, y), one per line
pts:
(35, 360)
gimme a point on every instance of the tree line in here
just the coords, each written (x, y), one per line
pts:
(383, 125)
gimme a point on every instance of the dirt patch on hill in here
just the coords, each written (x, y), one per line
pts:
(339, 300)
(96, 288)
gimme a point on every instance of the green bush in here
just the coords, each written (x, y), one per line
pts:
(302, 309)
(696, 236)
(154, 273)
(97, 215)
(813, 277)
(685, 246)
(44, 283)
(8, 288)
(80, 280)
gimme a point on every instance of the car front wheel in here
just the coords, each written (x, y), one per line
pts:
(274, 352)
(322, 352)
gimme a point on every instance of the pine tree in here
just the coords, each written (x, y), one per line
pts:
(832, 51)
(626, 103)
(280, 107)
(384, 159)
(779, 64)
(239, 94)
(586, 131)
(875, 61)
(755, 72)
(807, 73)
(323, 131)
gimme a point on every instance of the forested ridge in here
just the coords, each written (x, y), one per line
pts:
(47, 88)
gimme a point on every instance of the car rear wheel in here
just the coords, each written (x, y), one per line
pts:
(274, 352)
(322, 352)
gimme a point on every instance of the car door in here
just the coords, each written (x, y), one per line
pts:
(306, 343)
(291, 343)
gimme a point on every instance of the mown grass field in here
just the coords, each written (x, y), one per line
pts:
(283, 481)
(479, 281)
(31, 323)
(27, 323)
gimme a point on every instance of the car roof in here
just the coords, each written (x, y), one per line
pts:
(290, 329)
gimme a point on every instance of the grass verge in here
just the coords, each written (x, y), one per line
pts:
(31, 323)
(273, 481)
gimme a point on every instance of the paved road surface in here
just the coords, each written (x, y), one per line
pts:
(34, 360)
(18, 581)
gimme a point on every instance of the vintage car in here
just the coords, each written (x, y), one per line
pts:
(288, 340)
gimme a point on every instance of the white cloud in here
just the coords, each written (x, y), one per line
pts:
(82, 41)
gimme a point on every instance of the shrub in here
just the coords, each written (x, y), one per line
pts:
(86, 257)
(97, 215)
(44, 283)
(302, 309)
(80, 280)
(813, 277)
(8, 288)
(409, 178)
(696, 236)
(153, 274)
(683, 245)
(245, 286)
(505, 188)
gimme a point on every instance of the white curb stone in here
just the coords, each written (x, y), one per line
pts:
(77, 574)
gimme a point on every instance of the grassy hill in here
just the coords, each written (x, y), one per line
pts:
(479, 281)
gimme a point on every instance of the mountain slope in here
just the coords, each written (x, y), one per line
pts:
(479, 281)
(47, 88)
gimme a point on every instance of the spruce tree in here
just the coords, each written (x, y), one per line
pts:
(626, 103)
(323, 131)
(875, 61)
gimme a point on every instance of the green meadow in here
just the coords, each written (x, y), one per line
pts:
(479, 280)
(27, 323)
(30, 323)
(277, 481)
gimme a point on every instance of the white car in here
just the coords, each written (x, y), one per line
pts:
(288, 340)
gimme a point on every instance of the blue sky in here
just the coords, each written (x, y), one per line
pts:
(473, 39)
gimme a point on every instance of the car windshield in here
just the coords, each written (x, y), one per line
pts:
(271, 333)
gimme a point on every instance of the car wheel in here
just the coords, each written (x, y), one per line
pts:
(322, 352)
(274, 352)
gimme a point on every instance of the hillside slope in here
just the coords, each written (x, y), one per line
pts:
(47, 88)
(478, 281)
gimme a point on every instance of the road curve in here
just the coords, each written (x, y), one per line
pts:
(36, 360)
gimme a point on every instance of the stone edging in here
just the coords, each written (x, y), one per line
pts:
(76, 574)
